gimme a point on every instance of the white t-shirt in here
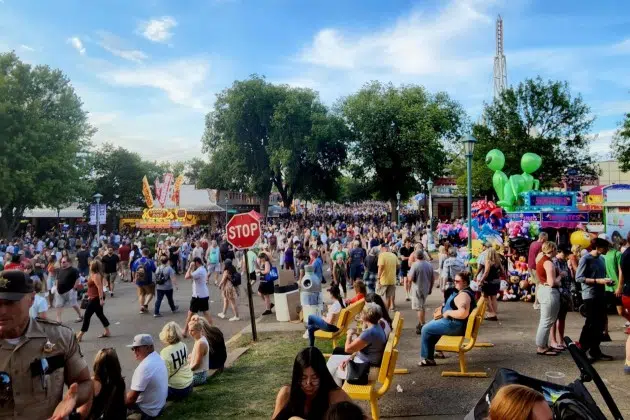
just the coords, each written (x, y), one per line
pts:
(200, 285)
(39, 305)
(151, 379)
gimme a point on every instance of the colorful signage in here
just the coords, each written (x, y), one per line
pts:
(568, 217)
(524, 216)
(618, 220)
(617, 193)
(541, 200)
(166, 191)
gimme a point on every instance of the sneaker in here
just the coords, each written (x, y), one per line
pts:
(111, 294)
(536, 306)
(606, 338)
(267, 312)
(305, 335)
(157, 315)
(407, 300)
(627, 324)
(176, 309)
(234, 318)
(221, 315)
(419, 329)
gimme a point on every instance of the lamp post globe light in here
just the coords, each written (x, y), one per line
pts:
(469, 150)
(398, 208)
(98, 197)
(430, 241)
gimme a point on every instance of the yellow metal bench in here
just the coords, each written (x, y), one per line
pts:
(372, 392)
(477, 343)
(394, 336)
(346, 317)
(463, 344)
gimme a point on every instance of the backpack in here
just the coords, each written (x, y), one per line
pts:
(141, 272)
(160, 277)
(236, 279)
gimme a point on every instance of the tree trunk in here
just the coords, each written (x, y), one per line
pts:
(10, 221)
(392, 203)
(264, 206)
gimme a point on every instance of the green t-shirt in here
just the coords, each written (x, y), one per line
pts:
(175, 356)
(613, 261)
(341, 254)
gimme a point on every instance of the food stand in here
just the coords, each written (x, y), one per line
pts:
(617, 210)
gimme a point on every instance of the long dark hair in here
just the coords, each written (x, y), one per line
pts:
(373, 297)
(336, 293)
(107, 371)
(310, 357)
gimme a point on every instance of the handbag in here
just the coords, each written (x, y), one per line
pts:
(85, 301)
(272, 275)
(357, 373)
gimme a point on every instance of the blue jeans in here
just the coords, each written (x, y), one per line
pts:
(160, 296)
(433, 330)
(315, 323)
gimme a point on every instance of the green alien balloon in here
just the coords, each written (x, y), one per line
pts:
(495, 160)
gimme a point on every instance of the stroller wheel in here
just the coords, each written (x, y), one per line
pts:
(583, 310)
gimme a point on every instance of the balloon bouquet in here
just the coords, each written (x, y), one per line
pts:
(488, 220)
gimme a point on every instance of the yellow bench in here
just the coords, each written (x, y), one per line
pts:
(477, 343)
(371, 392)
(346, 317)
(397, 326)
(463, 344)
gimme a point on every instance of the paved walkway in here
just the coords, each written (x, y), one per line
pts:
(427, 395)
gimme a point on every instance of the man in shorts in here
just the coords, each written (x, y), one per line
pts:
(421, 276)
(123, 252)
(65, 293)
(110, 267)
(386, 276)
(200, 301)
(142, 271)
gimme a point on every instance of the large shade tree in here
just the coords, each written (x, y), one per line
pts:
(44, 132)
(260, 135)
(537, 116)
(398, 136)
(621, 144)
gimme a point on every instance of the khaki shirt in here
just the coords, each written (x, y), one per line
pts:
(31, 400)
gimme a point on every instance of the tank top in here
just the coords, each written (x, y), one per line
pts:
(92, 289)
(204, 360)
(540, 270)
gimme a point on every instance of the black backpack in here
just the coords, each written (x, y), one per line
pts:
(160, 277)
(236, 279)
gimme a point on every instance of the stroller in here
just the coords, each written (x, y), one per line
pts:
(567, 402)
(576, 299)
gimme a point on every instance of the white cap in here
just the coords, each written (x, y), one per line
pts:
(141, 340)
(604, 236)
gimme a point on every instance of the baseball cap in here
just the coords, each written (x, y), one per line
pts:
(141, 340)
(604, 237)
(14, 284)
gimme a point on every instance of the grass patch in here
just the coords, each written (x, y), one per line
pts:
(248, 389)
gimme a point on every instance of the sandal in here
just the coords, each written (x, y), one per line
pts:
(76, 321)
(427, 363)
(104, 336)
(548, 352)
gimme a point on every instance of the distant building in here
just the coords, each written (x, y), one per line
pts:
(611, 173)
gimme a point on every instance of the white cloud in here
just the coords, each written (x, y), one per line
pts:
(159, 29)
(602, 142)
(27, 48)
(181, 80)
(76, 43)
(115, 45)
(418, 45)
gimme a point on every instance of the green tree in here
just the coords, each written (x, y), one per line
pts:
(194, 170)
(43, 134)
(539, 117)
(621, 144)
(261, 135)
(399, 135)
(117, 174)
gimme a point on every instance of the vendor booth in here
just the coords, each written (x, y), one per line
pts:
(617, 210)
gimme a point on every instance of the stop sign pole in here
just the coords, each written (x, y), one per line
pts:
(243, 230)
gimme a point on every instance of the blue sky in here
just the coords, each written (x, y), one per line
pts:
(148, 70)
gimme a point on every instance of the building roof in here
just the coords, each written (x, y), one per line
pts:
(193, 199)
(67, 212)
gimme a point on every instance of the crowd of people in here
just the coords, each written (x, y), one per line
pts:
(358, 252)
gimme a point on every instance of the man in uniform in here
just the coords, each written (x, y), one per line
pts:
(37, 358)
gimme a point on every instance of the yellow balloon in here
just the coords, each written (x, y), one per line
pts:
(477, 247)
(581, 238)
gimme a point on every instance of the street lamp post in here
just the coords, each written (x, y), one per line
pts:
(398, 209)
(430, 242)
(469, 149)
(98, 197)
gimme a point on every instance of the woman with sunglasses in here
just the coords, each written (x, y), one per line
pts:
(109, 389)
(450, 319)
(312, 389)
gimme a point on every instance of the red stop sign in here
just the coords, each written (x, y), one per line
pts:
(243, 230)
